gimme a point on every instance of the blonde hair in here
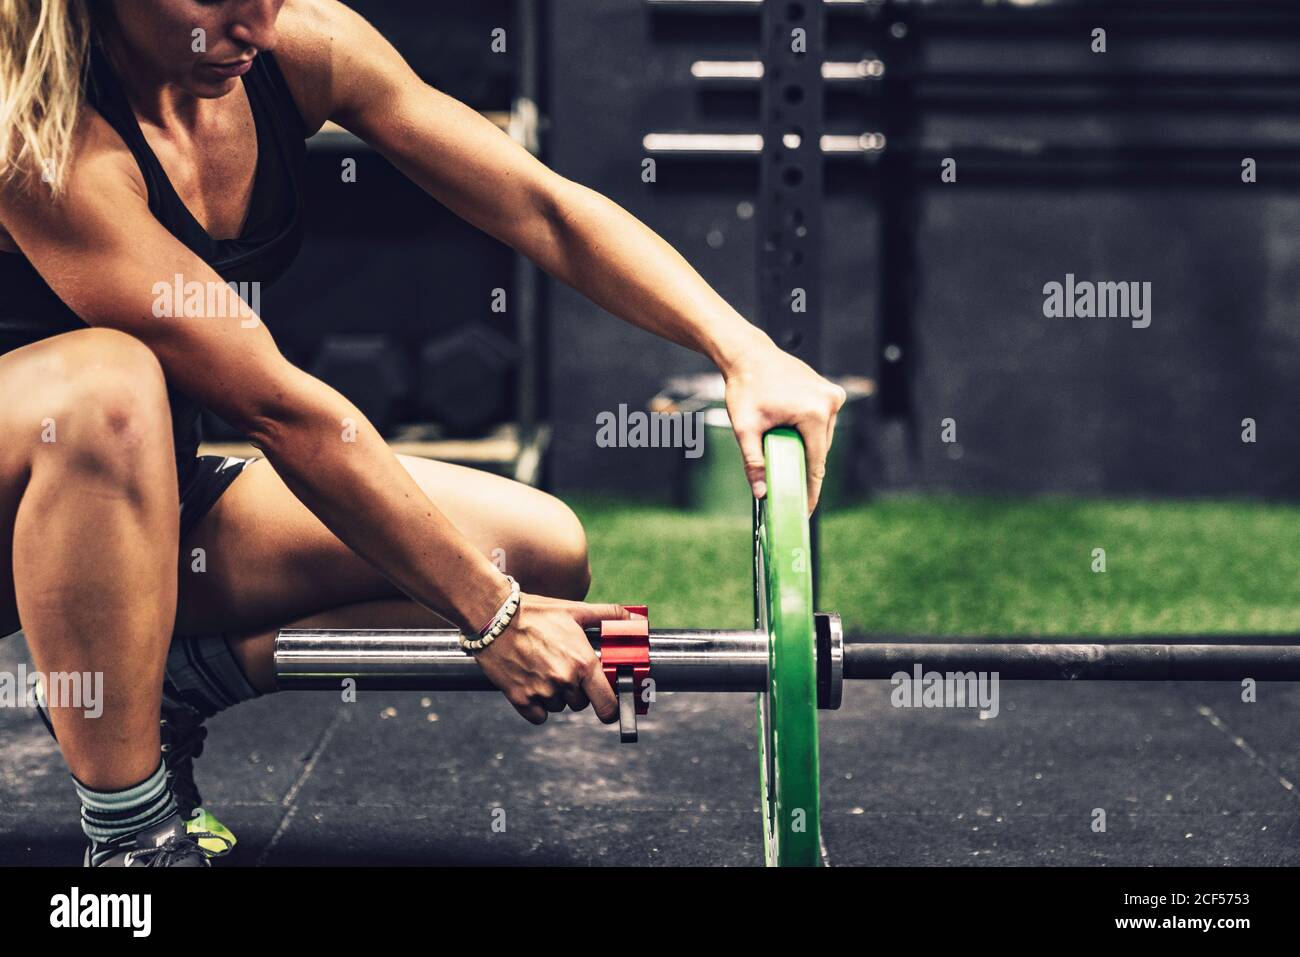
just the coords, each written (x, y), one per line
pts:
(44, 46)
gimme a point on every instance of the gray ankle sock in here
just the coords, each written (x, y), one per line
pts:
(109, 816)
(203, 673)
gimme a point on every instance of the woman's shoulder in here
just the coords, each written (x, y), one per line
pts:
(305, 52)
(97, 154)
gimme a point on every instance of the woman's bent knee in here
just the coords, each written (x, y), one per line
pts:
(566, 568)
(94, 400)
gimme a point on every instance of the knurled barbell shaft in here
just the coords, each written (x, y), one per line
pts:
(1029, 657)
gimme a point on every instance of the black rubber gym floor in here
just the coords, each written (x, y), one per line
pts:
(1187, 774)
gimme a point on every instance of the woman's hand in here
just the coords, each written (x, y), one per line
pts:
(544, 661)
(769, 388)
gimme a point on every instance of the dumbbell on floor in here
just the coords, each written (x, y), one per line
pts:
(372, 371)
(467, 380)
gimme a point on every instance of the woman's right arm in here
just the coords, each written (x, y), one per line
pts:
(104, 254)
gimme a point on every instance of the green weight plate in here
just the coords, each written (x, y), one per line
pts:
(787, 711)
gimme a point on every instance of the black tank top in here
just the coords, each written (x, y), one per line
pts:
(270, 239)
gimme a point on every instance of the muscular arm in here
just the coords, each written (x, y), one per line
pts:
(481, 174)
(349, 73)
(102, 251)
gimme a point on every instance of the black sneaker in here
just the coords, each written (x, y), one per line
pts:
(182, 732)
(169, 844)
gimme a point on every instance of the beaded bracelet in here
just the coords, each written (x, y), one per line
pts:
(499, 623)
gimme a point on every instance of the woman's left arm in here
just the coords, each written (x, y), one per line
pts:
(572, 232)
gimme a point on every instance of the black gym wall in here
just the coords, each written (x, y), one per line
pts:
(1041, 405)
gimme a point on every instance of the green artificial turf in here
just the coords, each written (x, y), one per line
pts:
(976, 566)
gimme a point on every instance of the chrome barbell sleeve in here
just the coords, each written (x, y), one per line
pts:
(432, 660)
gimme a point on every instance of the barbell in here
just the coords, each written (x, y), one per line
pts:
(795, 660)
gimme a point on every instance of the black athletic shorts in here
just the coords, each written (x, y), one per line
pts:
(202, 481)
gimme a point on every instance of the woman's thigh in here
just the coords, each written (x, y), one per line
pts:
(21, 372)
(266, 560)
(47, 389)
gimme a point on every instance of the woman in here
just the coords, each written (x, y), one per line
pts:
(179, 155)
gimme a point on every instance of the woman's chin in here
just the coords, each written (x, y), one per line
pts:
(212, 88)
